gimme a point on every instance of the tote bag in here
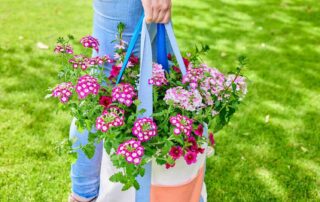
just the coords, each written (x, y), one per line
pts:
(182, 183)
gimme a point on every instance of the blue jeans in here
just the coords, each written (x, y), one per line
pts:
(85, 173)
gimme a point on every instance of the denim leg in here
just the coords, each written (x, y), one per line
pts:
(85, 172)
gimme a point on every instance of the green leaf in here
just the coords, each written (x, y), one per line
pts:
(89, 150)
(117, 177)
(136, 184)
(127, 186)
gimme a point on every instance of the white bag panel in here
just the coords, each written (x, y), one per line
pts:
(109, 191)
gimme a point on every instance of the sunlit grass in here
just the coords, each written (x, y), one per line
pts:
(270, 149)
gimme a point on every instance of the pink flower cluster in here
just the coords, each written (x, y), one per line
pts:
(193, 77)
(240, 82)
(188, 100)
(124, 93)
(182, 124)
(144, 129)
(63, 49)
(87, 85)
(79, 61)
(90, 42)
(111, 117)
(132, 150)
(212, 84)
(158, 76)
(63, 91)
(84, 62)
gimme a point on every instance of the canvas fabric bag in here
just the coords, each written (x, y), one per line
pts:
(182, 183)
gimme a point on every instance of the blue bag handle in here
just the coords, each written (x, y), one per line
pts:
(161, 47)
(132, 43)
(162, 57)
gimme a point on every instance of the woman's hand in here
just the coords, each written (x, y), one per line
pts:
(158, 11)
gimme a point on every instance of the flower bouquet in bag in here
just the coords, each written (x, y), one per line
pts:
(142, 111)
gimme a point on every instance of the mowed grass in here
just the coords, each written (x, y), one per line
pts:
(269, 151)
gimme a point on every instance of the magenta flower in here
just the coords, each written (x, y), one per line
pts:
(105, 101)
(111, 117)
(132, 150)
(190, 157)
(158, 76)
(90, 42)
(115, 70)
(134, 60)
(199, 130)
(182, 124)
(144, 129)
(63, 49)
(63, 91)
(79, 61)
(124, 93)
(87, 85)
(175, 152)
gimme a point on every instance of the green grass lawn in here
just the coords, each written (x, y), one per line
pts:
(269, 151)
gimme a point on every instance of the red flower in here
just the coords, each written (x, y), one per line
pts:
(169, 57)
(114, 71)
(176, 69)
(175, 152)
(105, 101)
(134, 60)
(200, 150)
(186, 62)
(211, 139)
(199, 130)
(169, 165)
(190, 157)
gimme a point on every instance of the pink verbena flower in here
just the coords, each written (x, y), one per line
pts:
(190, 157)
(96, 61)
(213, 83)
(132, 150)
(158, 76)
(63, 91)
(79, 61)
(63, 49)
(182, 124)
(90, 42)
(144, 129)
(124, 93)
(175, 152)
(181, 98)
(193, 77)
(240, 82)
(111, 117)
(87, 85)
